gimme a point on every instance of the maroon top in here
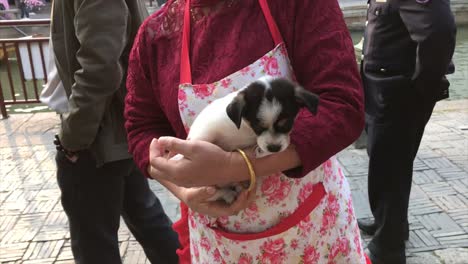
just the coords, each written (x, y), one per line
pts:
(231, 36)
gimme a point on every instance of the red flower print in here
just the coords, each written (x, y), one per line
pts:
(245, 259)
(283, 51)
(305, 192)
(203, 90)
(328, 168)
(357, 240)
(294, 244)
(305, 226)
(226, 82)
(196, 252)
(193, 225)
(341, 248)
(310, 256)
(203, 219)
(191, 113)
(271, 65)
(333, 204)
(251, 212)
(205, 243)
(275, 189)
(273, 252)
(223, 220)
(245, 70)
(350, 211)
(218, 238)
(182, 95)
(330, 213)
(217, 255)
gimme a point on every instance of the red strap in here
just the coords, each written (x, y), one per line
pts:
(182, 229)
(275, 33)
(185, 68)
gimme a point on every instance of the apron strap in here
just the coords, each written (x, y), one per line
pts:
(185, 68)
(275, 33)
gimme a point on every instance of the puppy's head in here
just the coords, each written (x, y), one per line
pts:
(269, 106)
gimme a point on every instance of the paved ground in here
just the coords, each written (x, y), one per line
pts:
(33, 227)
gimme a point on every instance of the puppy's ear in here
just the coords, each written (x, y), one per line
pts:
(235, 109)
(307, 99)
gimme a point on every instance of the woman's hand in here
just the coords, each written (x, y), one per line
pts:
(196, 198)
(204, 164)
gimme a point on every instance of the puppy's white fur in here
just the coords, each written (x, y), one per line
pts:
(214, 125)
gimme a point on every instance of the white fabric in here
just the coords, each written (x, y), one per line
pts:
(53, 94)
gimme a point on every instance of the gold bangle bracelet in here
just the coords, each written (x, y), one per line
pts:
(253, 177)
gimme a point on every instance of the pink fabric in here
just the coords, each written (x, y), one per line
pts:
(228, 39)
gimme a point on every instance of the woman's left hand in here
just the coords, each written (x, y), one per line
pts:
(196, 199)
(204, 164)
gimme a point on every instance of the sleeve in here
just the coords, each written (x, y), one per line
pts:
(432, 27)
(324, 62)
(101, 29)
(144, 118)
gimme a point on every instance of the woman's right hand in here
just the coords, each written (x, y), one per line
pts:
(197, 197)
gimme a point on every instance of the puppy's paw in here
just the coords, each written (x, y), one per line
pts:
(177, 157)
(227, 194)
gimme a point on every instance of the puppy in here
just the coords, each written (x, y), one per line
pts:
(261, 114)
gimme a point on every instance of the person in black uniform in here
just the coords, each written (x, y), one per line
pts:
(408, 47)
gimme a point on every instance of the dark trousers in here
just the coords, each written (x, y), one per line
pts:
(24, 11)
(95, 198)
(395, 121)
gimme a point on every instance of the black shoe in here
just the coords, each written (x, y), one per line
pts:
(369, 227)
(379, 256)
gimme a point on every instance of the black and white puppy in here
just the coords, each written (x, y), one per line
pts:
(262, 114)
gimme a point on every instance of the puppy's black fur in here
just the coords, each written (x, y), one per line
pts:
(291, 97)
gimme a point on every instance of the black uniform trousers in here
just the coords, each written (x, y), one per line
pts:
(95, 198)
(395, 120)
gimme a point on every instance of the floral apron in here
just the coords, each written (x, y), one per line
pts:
(291, 220)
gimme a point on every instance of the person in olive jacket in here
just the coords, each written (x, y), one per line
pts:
(408, 47)
(97, 177)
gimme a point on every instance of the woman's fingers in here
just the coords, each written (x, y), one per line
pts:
(177, 145)
(243, 201)
(154, 149)
(201, 194)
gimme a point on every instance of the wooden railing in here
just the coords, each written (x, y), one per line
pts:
(23, 66)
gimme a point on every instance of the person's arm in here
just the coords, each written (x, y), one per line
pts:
(432, 27)
(324, 62)
(101, 30)
(144, 118)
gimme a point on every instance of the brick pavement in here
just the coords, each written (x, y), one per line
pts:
(33, 227)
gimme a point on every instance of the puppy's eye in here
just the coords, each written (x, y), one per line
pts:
(283, 125)
(282, 122)
(258, 129)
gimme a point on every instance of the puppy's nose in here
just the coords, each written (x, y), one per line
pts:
(274, 148)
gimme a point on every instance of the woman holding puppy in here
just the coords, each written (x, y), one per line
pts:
(298, 209)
